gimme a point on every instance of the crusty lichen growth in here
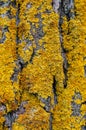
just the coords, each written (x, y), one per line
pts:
(7, 57)
(70, 111)
(32, 93)
(43, 54)
(30, 58)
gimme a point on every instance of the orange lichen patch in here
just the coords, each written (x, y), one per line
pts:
(4, 22)
(23, 30)
(62, 111)
(7, 66)
(2, 119)
(3, 10)
(37, 77)
(83, 108)
(46, 62)
(74, 35)
(13, 11)
(34, 116)
(7, 58)
(17, 126)
(25, 51)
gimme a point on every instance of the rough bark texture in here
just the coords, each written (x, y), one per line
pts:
(42, 65)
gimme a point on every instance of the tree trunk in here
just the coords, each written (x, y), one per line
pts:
(43, 65)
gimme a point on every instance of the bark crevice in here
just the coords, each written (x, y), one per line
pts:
(63, 8)
(54, 90)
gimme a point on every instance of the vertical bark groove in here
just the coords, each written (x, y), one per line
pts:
(65, 8)
(54, 90)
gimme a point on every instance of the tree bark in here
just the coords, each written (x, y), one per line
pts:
(43, 65)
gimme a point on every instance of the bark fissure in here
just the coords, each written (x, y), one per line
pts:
(63, 53)
(37, 35)
(65, 8)
(19, 61)
(47, 103)
(20, 65)
(54, 90)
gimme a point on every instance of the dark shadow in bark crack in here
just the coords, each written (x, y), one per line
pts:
(54, 90)
(64, 9)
